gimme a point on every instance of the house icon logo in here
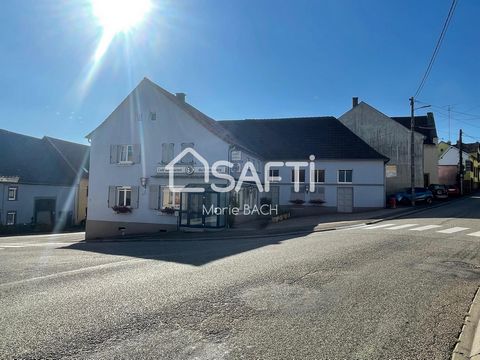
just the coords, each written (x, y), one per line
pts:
(189, 170)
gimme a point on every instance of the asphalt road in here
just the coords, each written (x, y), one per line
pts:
(399, 291)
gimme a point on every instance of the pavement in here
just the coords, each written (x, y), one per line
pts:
(291, 226)
(396, 289)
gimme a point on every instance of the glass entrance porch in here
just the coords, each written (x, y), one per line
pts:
(197, 210)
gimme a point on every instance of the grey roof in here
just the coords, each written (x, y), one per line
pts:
(298, 138)
(469, 148)
(424, 125)
(46, 161)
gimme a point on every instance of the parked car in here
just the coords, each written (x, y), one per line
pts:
(421, 194)
(453, 190)
(439, 191)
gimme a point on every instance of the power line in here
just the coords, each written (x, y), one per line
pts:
(437, 47)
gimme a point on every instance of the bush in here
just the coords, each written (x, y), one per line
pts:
(297, 201)
(122, 209)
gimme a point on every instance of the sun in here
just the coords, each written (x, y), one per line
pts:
(118, 16)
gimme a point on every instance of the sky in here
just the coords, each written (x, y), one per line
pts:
(239, 59)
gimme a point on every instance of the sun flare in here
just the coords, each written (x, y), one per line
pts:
(120, 15)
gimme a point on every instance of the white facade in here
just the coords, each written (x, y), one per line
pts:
(150, 121)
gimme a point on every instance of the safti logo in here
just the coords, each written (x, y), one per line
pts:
(219, 170)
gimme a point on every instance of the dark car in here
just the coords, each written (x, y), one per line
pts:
(421, 194)
(453, 190)
(439, 191)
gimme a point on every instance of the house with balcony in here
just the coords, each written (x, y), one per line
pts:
(154, 134)
(43, 183)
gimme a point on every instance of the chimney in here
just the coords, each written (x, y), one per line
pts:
(354, 101)
(181, 96)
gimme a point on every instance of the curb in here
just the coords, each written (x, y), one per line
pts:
(298, 231)
(468, 343)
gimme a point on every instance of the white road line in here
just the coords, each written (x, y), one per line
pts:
(426, 227)
(404, 226)
(453, 230)
(477, 234)
(377, 226)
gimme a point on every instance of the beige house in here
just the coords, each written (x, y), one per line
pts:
(391, 137)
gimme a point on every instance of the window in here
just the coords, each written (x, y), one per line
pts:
(170, 199)
(274, 174)
(167, 152)
(125, 154)
(319, 176)
(12, 193)
(124, 196)
(297, 196)
(301, 175)
(345, 176)
(153, 116)
(11, 217)
(188, 158)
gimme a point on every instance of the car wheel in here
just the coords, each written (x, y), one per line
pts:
(429, 200)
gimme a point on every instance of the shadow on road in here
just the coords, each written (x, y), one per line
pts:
(195, 253)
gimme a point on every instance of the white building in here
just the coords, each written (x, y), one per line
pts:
(128, 183)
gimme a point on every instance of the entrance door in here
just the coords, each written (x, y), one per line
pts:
(345, 199)
(197, 210)
(44, 211)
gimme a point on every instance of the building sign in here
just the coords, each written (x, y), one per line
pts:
(391, 171)
(189, 170)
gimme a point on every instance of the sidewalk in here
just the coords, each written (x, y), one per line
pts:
(292, 226)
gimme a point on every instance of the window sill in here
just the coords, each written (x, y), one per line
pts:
(125, 163)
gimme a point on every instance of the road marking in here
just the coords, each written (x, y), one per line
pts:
(377, 226)
(453, 230)
(404, 226)
(426, 227)
(475, 234)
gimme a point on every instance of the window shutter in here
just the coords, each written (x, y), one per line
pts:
(164, 153)
(114, 154)
(154, 197)
(112, 196)
(135, 197)
(136, 153)
(171, 147)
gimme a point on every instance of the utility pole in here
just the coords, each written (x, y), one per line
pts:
(449, 132)
(412, 149)
(460, 150)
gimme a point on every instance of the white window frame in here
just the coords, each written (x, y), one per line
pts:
(15, 193)
(345, 176)
(126, 150)
(122, 192)
(299, 176)
(10, 213)
(272, 177)
(315, 177)
(173, 198)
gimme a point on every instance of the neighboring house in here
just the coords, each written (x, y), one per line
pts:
(152, 129)
(391, 137)
(425, 125)
(448, 165)
(43, 182)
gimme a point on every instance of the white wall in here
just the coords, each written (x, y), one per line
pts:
(172, 125)
(368, 182)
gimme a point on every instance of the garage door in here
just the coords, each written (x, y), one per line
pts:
(345, 199)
